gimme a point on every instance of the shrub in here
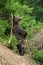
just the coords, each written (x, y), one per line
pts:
(37, 55)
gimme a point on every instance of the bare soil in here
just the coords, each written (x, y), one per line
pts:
(8, 57)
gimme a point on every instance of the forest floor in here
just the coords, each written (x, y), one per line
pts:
(8, 57)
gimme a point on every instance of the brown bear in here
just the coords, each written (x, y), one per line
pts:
(20, 33)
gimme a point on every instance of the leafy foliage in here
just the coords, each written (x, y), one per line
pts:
(3, 25)
(37, 55)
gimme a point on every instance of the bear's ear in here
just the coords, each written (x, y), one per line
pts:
(13, 17)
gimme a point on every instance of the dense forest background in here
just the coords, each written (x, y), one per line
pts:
(31, 12)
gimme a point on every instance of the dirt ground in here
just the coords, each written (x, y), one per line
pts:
(8, 57)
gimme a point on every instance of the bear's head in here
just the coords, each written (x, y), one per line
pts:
(16, 19)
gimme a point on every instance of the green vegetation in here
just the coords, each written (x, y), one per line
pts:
(31, 12)
(37, 55)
